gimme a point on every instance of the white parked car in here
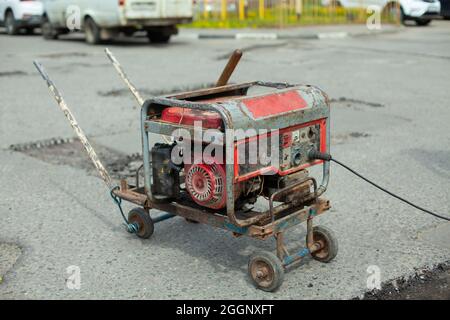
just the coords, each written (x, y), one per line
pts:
(19, 14)
(104, 19)
(420, 11)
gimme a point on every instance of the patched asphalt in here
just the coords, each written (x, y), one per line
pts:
(389, 121)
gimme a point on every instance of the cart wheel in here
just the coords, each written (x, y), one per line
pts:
(328, 242)
(266, 271)
(191, 221)
(142, 218)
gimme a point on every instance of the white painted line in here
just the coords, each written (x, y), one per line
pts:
(274, 36)
(258, 36)
(333, 35)
(190, 36)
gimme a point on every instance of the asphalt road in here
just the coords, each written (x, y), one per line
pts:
(390, 116)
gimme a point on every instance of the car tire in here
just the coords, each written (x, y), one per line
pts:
(11, 24)
(402, 16)
(423, 22)
(48, 32)
(158, 37)
(92, 31)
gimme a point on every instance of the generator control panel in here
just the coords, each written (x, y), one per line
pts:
(296, 143)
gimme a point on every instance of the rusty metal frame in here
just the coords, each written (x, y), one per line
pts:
(175, 101)
(273, 222)
(261, 230)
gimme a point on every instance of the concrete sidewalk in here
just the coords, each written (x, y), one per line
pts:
(302, 32)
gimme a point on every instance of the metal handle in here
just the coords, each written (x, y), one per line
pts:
(73, 122)
(124, 77)
(229, 68)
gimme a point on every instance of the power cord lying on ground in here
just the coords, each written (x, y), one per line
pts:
(314, 154)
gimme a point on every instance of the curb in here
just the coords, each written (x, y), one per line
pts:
(278, 36)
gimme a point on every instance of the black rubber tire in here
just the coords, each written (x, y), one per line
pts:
(331, 248)
(11, 24)
(271, 261)
(92, 31)
(423, 22)
(48, 32)
(402, 16)
(158, 37)
(142, 218)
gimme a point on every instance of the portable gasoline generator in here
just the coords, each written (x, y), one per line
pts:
(224, 188)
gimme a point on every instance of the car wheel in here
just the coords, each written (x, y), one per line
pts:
(92, 31)
(48, 32)
(423, 22)
(158, 37)
(402, 16)
(11, 24)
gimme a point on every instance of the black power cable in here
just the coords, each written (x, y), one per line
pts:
(327, 157)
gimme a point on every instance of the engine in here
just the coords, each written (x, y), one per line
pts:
(205, 182)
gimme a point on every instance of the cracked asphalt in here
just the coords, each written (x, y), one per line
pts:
(390, 115)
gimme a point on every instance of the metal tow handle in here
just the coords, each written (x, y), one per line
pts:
(124, 77)
(131, 227)
(73, 122)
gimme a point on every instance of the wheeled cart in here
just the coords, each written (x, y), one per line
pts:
(223, 188)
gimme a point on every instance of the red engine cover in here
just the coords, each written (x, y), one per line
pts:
(209, 119)
(206, 184)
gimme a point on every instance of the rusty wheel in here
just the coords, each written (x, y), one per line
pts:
(266, 271)
(142, 218)
(328, 242)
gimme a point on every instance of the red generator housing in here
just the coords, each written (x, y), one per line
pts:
(295, 117)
